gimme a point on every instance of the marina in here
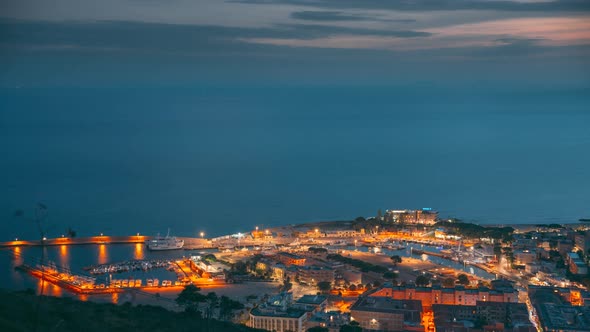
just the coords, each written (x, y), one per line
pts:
(134, 265)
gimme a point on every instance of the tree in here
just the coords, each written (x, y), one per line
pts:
(190, 298)
(287, 285)
(318, 329)
(211, 299)
(376, 283)
(389, 275)
(463, 279)
(352, 288)
(396, 259)
(353, 326)
(227, 306)
(422, 280)
(210, 257)
(324, 286)
(448, 282)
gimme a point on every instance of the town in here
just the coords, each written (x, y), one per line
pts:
(402, 270)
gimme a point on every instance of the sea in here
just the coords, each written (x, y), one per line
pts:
(225, 159)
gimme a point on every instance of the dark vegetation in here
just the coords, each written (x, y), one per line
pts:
(18, 312)
(363, 266)
(476, 231)
(315, 250)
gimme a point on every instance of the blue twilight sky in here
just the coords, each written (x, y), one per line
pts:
(210, 115)
(83, 42)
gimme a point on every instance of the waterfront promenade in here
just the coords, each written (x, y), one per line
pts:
(190, 243)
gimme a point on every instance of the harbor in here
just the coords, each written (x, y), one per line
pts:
(184, 270)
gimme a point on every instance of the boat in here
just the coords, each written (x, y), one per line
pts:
(165, 243)
(340, 243)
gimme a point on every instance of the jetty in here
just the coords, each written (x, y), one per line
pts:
(100, 239)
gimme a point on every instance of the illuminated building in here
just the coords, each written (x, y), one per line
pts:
(312, 275)
(277, 319)
(290, 259)
(387, 314)
(277, 315)
(312, 303)
(486, 316)
(576, 264)
(425, 216)
(457, 295)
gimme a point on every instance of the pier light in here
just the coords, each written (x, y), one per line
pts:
(44, 238)
(138, 234)
(101, 234)
(257, 228)
(202, 234)
(16, 239)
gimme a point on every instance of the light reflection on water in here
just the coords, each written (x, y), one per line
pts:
(76, 258)
(138, 253)
(103, 256)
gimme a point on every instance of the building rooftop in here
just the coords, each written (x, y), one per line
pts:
(388, 305)
(312, 299)
(290, 255)
(564, 317)
(273, 311)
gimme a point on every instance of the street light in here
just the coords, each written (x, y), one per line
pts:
(202, 234)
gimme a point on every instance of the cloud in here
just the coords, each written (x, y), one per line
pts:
(437, 5)
(337, 16)
(309, 15)
(312, 31)
(168, 37)
(293, 41)
(554, 31)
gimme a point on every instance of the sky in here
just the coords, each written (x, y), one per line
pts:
(244, 112)
(451, 42)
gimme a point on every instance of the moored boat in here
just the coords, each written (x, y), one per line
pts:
(165, 243)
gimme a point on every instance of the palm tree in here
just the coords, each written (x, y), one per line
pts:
(39, 215)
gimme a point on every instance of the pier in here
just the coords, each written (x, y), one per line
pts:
(100, 239)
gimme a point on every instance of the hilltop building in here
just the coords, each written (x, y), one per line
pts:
(425, 216)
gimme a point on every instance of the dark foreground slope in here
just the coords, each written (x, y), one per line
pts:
(18, 312)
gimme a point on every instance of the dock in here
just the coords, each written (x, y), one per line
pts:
(101, 239)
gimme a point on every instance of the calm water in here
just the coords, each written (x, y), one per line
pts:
(220, 160)
(76, 258)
